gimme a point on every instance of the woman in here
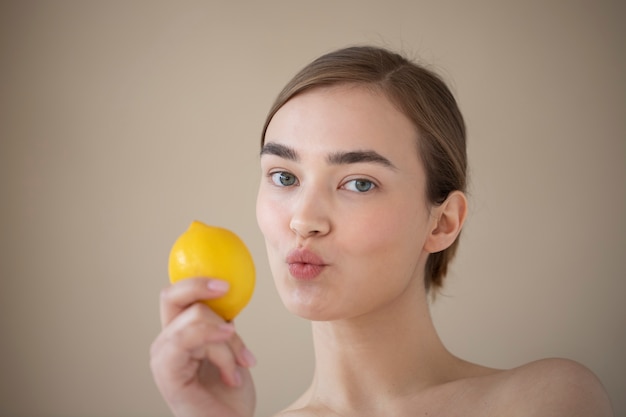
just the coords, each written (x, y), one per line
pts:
(361, 204)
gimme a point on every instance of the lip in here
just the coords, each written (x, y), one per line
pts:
(304, 265)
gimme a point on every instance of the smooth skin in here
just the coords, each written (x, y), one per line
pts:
(198, 361)
(342, 179)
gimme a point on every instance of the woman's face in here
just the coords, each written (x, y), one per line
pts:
(342, 203)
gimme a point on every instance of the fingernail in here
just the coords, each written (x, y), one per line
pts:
(248, 357)
(218, 285)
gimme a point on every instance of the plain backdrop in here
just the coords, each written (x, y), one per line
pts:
(122, 121)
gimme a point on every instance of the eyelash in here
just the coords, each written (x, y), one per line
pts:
(370, 184)
(277, 177)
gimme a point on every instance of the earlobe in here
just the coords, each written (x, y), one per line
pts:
(448, 219)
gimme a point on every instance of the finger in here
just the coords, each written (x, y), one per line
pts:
(203, 336)
(176, 351)
(174, 367)
(200, 336)
(243, 355)
(179, 296)
(223, 358)
(193, 328)
(197, 325)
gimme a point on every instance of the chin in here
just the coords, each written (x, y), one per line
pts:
(303, 304)
(312, 315)
(313, 300)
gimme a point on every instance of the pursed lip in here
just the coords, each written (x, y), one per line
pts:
(304, 264)
(304, 256)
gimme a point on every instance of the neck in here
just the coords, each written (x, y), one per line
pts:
(370, 361)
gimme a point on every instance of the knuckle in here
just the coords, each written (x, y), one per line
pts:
(198, 311)
(165, 293)
(156, 348)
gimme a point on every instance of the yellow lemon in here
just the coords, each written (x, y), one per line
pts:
(209, 251)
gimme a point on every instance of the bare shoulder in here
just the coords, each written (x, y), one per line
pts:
(554, 387)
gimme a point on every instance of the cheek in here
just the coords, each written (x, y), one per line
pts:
(272, 220)
(388, 237)
(270, 217)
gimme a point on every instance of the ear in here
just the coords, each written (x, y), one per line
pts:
(447, 222)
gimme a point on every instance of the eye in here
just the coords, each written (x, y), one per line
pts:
(283, 178)
(360, 185)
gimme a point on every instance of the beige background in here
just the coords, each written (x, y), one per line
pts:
(121, 121)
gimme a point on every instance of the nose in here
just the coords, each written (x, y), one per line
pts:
(310, 216)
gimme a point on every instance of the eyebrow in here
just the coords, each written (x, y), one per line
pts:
(355, 157)
(281, 151)
(336, 158)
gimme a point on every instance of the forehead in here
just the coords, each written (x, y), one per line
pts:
(344, 118)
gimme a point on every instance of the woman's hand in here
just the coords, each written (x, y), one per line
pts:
(199, 363)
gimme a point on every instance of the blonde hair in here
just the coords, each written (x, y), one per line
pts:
(423, 97)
